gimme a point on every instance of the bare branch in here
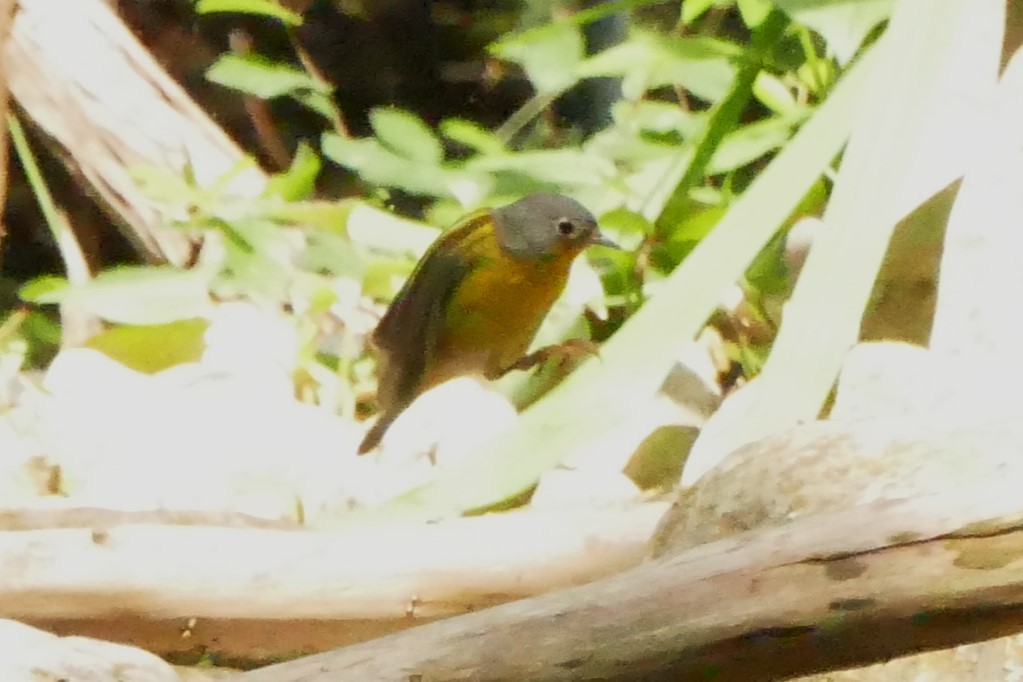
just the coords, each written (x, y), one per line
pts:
(359, 581)
(83, 78)
(822, 592)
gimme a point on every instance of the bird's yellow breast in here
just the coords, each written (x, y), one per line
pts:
(497, 309)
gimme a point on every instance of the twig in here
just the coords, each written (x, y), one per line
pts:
(258, 109)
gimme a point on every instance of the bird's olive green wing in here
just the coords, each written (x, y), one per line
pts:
(407, 334)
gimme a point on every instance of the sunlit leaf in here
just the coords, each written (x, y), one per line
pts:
(750, 142)
(153, 348)
(163, 185)
(560, 167)
(45, 289)
(405, 134)
(332, 254)
(256, 75)
(625, 222)
(472, 135)
(266, 8)
(650, 60)
(550, 59)
(331, 216)
(379, 165)
(774, 94)
(754, 11)
(320, 101)
(694, 9)
(138, 295)
(258, 261)
(299, 181)
(380, 230)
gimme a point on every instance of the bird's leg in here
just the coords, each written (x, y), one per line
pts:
(559, 352)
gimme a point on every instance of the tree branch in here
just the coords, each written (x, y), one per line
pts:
(84, 79)
(819, 593)
(359, 581)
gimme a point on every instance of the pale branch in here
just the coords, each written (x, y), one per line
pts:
(84, 79)
(65, 515)
(822, 592)
(379, 576)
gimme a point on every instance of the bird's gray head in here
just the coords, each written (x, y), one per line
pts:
(545, 224)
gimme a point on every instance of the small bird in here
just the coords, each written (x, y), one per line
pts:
(477, 298)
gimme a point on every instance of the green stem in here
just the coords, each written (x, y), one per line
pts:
(524, 114)
(723, 120)
(813, 60)
(75, 264)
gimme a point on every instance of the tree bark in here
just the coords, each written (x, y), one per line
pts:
(819, 593)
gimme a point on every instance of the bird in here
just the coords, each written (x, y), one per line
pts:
(476, 299)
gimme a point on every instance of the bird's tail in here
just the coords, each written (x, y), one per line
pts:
(376, 432)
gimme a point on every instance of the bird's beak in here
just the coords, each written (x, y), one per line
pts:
(599, 238)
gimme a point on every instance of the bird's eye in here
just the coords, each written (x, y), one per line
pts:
(566, 227)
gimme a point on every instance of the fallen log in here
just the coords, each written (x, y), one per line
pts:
(179, 589)
(823, 592)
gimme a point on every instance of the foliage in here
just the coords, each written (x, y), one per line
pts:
(719, 139)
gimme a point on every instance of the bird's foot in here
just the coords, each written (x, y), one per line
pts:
(561, 353)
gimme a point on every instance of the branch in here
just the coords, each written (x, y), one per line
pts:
(83, 78)
(819, 593)
(360, 581)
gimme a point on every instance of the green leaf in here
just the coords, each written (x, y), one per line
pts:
(299, 181)
(379, 230)
(769, 273)
(558, 167)
(774, 95)
(842, 23)
(550, 59)
(698, 223)
(754, 11)
(153, 348)
(623, 221)
(750, 142)
(258, 261)
(165, 186)
(329, 216)
(650, 60)
(580, 18)
(266, 8)
(381, 166)
(45, 289)
(138, 295)
(319, 101)
(694, 9)
(472, 135)
(257, 75)
(659, 117)
(406, 135)
(332, 254)
(817, 75)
